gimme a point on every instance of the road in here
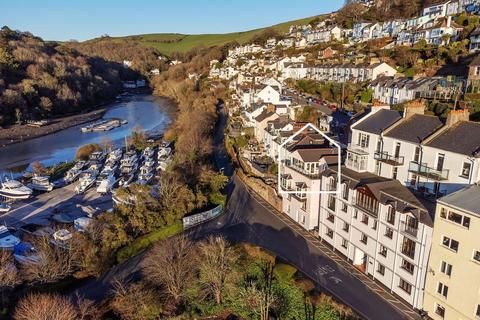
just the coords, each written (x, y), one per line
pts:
(248, 218)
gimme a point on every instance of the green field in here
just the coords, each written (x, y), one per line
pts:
(168, 43)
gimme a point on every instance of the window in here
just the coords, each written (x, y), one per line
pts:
(344, 207)
(329, 233)
(389, 233)
(364, 238)
(408, 247)
(355, 214)
(405, 286)
(346, 227)
(331, 202)
(345, 192)
(466, 169)
(455, 217)
(440, 310)
(440, 161)
(374, 226)
(394, 173)
(365, 218)
(304, 205)
(344, 243)
(331, 217)
(363, 140)
(446, 268)
(407, 266)
(381, 269)
(383, 250)
(477, 312)
(391, 215)
(416, 156)
(476, 255)
(397, 150)
(442, 289)
(450, 243)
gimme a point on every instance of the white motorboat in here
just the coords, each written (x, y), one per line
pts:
(148, 152)
(115, 155)
(148, 164)
(72, 175)
(97, 156)
(7, 240)
(125, 181)
(109, 167)
(85, 182)
(164, 153)
(129, 164)
(144, 179)
(41, 183)
(81, 224)
(163, 164)
(95, 166)
(106, 184)
(4, 208)
(13, 189)
(79, 165)
(61, 238)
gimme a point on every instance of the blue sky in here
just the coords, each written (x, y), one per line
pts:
(85, 19)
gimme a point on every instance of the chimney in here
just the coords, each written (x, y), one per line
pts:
(270, 108)
(449, 21)
(413, 107)
(455, 116)
(378, 105)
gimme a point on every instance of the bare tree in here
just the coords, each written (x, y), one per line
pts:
(133, 301)
(54, 262)
(170, 265)
(216, 264)
(45, 306)
(9, 277)
(38, 168)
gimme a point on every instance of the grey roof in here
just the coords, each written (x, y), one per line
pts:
(379, 121)
(463, 138)
(264, 115)
(467, 199)
(415, 128)
(388, 191)
(314, 155)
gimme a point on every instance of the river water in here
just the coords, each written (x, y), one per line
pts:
(153, 114)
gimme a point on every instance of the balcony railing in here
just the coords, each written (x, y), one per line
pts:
(358, 166)
(304, 172)
(408, 229)
(430, 173)
(371, 208)
(408, 252)
(389, 159)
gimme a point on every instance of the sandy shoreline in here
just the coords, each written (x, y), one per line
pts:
(18, 133)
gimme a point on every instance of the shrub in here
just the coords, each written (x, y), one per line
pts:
(86, 150)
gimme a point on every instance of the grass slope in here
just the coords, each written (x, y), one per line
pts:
(168, 43)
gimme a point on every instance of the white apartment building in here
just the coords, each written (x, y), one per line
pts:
(381, 227)
(422, 152)
(301, 172)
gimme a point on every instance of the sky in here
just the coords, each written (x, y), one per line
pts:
(86, 19)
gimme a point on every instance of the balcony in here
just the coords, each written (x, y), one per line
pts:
(304, 172)
(408, 252)
(408, 229)
(388, 159)
(430, 173)
(371, 207)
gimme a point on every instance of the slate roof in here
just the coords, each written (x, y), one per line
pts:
(415, 128)
(379, 121)
(264, 115)
(314, 155)
(467, 199)
(388, 191)
(462, 138)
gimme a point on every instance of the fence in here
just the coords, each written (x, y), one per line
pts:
(195, 219)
